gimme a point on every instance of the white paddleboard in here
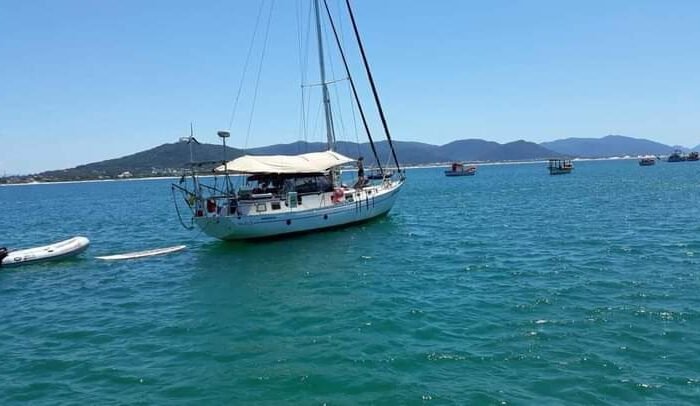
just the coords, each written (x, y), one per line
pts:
(59, 250)
(143, 254)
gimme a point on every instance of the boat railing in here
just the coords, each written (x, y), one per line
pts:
(218, 191)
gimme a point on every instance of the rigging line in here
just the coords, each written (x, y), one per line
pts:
(340, 23)
(354, 125)
(300, 45)
(328, 82)
(335, 92)
(307, 112)
(374, 87)
(245, 67)
(257, 80)
(352, 85)
(352, 105)
(318, 114)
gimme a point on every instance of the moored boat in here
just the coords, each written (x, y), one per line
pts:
(676, 156)
(693, 156)
(560, 166)
(458, 169)
(60, 250)
(647, 161)
(286, 194)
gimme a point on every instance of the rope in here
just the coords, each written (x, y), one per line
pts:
(300, 48)
(257, 80)
(245, 67)
(372, 85)
(354, 124)
(307, 105)
(177, 209)
(352, 85)
(352, 105)
(327, 82)
(318, 119)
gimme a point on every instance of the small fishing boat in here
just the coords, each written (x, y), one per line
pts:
(458, 169)
(676, 156)
(647, 161)
(560, 166)
(693, 156)
(60, 250)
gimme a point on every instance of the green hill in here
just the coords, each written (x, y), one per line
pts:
(164, 160)
(169, 159)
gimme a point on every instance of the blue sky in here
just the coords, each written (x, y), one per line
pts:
(82, 81)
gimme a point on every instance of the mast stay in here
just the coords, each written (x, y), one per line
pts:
(374, 88)
(354, 89)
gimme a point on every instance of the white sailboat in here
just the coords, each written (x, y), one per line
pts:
(285, 194)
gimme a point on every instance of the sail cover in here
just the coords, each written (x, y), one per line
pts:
(313, 162)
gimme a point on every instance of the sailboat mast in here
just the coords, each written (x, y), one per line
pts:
(330, 134)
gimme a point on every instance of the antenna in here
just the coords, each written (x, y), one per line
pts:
(190, 142)
(223, 135)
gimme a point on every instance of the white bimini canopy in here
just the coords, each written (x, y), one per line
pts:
(313, 162)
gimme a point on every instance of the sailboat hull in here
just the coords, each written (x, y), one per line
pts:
(287, 222)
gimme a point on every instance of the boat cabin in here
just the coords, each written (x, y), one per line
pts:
(281, 184)
(458, 169)
(647, 161)
(676, 156)
(560, 166)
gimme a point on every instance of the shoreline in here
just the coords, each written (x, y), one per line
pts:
(428, 166)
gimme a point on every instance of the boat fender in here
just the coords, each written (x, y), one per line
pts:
(3, 254)
(337, 195)
(211, 206)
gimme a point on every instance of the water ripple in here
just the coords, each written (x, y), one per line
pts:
(511, 287)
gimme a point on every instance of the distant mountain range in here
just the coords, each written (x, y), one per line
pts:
(417, 153)
(609, 146)
(168, 159)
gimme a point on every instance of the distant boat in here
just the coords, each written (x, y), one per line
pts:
(459, 169)
(647, 161)
(676, 156)
(560, 166)
(693, 156)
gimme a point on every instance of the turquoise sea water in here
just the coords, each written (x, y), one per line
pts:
(510, 287)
